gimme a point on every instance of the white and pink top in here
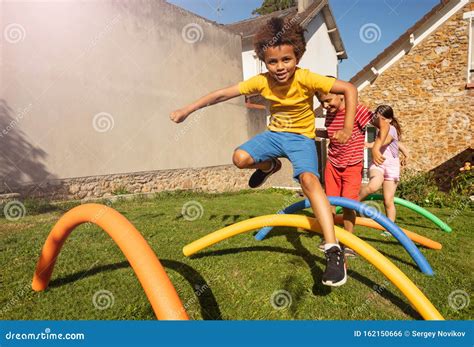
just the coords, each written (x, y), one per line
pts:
(391, 165)
(391, 150)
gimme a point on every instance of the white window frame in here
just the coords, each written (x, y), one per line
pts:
(366, 155)
(470, 65)
(258, 64)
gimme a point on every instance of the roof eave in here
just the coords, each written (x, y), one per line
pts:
(333, 30)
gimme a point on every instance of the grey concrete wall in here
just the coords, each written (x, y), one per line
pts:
(86, 89)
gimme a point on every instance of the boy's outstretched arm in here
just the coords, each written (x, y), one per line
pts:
(382, 139)
(350, 99)
(210, 99)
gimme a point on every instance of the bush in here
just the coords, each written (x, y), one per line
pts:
(422, 189)
(463, 183)
(462, 188)
(419, 188)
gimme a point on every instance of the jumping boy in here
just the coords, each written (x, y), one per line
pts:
(290, 90)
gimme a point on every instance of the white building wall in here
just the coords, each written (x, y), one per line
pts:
(320, 55)
(251, 64)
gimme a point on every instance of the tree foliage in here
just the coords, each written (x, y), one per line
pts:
(270, 6)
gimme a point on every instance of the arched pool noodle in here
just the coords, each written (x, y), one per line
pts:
(297, 206)
(416, 297)
(418, 209)
(151, 274)
(370, 212)
(367, 222)
(424, 241)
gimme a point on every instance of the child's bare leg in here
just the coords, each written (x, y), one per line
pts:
(243, 160)
(349, 217)
(335, 273)
(375, 183)
(319, 204)
(389, 188)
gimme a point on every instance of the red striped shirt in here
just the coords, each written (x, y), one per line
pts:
(352, 152)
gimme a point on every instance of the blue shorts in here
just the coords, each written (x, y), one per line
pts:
(299, 149)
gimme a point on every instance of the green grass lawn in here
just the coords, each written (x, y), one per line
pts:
(234, 279)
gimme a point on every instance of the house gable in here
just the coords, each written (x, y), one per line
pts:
(427, 90)
(407, 41)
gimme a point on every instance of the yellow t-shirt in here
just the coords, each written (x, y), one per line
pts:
(291, 105)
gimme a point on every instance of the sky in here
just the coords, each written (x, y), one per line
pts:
(367, 27)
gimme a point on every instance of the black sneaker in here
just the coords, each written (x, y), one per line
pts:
(259, 177)
(335, 274)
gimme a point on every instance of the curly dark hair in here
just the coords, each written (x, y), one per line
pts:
(277, 32)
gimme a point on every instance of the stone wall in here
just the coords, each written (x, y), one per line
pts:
(216, 179)
(212, 179)
(427, 90)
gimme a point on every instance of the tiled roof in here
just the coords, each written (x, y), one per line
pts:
(250, 26)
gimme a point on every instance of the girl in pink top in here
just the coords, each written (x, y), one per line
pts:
(386, 175)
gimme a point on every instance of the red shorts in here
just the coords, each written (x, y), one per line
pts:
(343, 182)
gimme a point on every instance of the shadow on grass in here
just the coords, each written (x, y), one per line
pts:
(207, 301)
(204, 295)
(388, 241)
(316, 271)
(281, 231)
(409, 224)
(229, 218)
(391, 256)
(232, 218)
(395, 243)
(311, 260)
(150, 215)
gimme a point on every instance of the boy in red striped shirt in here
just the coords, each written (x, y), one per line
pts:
(343, 173)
